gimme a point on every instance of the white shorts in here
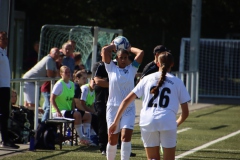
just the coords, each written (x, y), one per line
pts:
(29, 92)
(55, 114)
(127, 120)
(167, 138)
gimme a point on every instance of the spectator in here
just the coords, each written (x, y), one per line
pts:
(101, 90)
(67, 59)
(46, 88)
(162, 93)
(121, 82)
(5, 77)
(44, 68)
(80, 79)
(77, 59)
(152, 66)
(73, 43)
(62, 99)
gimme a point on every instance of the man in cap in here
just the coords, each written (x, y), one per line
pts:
(152, 66)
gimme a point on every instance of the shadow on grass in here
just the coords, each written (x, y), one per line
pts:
(67, 150)
(219, 110)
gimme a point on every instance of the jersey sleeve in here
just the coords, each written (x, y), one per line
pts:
(57, 88)
(184, 95)
(109, 67)
(139, 89)
(100, 71)
(84, 90)
(77, 91)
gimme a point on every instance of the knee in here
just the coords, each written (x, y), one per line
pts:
(77, 116)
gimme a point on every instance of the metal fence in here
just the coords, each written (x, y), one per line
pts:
(190, 79)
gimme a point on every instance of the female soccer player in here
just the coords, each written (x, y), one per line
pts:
(161, 93)
(62, 99)
(121, 82)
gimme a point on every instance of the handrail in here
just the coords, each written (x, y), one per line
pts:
(37, 86)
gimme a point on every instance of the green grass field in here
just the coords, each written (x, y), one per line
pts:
(205, 126)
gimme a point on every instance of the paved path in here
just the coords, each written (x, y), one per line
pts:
(24, 147)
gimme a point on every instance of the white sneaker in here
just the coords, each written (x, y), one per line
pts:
(104, 153)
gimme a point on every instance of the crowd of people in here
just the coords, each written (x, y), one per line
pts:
(103, 104)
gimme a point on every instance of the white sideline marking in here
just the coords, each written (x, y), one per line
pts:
(183, 130)
(207, 144)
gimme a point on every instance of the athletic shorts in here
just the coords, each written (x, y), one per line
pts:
(167, 138)
(81, 111)
(127, 120)
(66, 114)
(29, 92)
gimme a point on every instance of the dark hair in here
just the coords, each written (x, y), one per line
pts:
(78, 74)
(121, 50)
(166, 60)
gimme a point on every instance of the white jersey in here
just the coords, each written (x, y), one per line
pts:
(5, 75)
(159, 112)
(121, 83)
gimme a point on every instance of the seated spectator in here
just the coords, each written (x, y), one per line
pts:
(62, 99)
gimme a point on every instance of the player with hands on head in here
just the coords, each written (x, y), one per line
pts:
(121, 82)
(161, 93)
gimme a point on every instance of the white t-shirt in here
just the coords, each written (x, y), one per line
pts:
(159, 112)
(85, 91)
(5, 76)
(57, 88)
(121, 83)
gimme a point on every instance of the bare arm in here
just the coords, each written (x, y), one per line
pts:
(125, 103)
(184, 115)
(102, 82)
(107, 53)
(78, 104)
(139, 54)
(51, 73)
(86, 108)
(54, 104)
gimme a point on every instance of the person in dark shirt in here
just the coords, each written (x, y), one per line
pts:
(100, 76)
(152, 66)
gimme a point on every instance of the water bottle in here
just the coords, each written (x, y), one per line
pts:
(32, 141)
(68, 132)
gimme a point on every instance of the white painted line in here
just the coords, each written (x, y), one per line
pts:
(183, 130)
(207, 144)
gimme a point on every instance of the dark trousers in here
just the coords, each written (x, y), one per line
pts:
(4, 112)
(102, 126)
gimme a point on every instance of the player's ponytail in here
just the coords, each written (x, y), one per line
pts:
(166, 61)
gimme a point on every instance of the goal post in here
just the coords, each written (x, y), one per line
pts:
(89, 40)
(219, 68)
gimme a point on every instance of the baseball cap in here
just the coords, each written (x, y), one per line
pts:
(159, 48)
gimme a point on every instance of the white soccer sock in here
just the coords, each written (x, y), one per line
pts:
(79, 130)
(86, 129)
(126, 148)
(111, 151)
